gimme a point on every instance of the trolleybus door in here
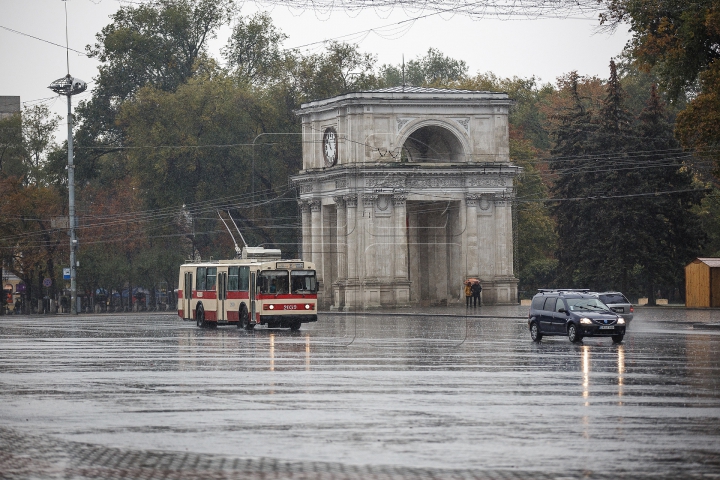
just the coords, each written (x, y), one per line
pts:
(253, 291)
(221, 295)
(187, 296)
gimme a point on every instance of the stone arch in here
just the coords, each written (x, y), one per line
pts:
(433, 141)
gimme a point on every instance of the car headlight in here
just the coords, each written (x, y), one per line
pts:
(621, 321)
(586, 321)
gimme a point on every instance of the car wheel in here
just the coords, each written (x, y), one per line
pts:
(617, 338)
(535, 332)
(295, 325)
(200, 316)
(245, 319)
(573, 334)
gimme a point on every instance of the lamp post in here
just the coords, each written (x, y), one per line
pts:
(70, 86)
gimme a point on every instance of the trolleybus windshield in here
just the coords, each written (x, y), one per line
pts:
(303, 281)
(273, 281)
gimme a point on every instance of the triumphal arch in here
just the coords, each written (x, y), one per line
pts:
(405, 192)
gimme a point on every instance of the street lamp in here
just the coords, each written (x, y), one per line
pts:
(70, 86)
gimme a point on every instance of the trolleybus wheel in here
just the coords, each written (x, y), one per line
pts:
(245, 319)
(200, 316)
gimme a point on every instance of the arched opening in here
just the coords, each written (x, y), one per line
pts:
(432, 144)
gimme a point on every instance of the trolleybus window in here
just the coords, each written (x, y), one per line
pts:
(273, 281)
(303, 281)
(206, 277)
(238, 278)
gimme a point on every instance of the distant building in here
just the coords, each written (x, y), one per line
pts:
(9, 105)
(406, 192)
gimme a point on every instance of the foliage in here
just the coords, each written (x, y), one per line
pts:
(624, 201)
(161, 44)
(11, 146)
(254, 52)
(435, 69)
(698, 126)
(681, 42)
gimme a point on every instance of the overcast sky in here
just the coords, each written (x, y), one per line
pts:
(545, 48)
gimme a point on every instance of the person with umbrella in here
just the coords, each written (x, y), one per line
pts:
(468, 293)
(475, 290)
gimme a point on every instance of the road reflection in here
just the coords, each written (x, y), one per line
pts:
(585, 355)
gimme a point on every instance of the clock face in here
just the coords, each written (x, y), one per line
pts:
(330, 145)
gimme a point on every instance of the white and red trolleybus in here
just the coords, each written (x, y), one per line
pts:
(248, 292)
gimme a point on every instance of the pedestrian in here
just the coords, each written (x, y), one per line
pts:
(476, 289)
(468, 293)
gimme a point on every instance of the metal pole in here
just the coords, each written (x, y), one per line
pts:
(71, 212)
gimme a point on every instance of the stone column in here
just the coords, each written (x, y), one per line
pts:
(503, 240)
(473, 259)
(342, 229)
(351, 234)
(317, 241)
(400, 227)
(306, 247)
(369, 245)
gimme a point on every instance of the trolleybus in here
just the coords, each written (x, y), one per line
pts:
(248, 292)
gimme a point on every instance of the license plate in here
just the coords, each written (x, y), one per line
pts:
(618, 309)
(607, 327)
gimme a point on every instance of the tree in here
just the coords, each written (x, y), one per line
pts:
(11, 146)
(253, 51)
(340, 69)
(680, 39)
(573, 146)
(38, 128)
(698, 126)
(681, 42)
(160, 44)
(625, 211)
(435, 69)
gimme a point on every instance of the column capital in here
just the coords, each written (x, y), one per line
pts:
(369, 199)
(399, 199)
(351, 200)
(472, 199)
(304, 204)
(315, 204)
(339, 200)
(502, 199)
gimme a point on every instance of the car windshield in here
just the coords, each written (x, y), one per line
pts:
(586, 304)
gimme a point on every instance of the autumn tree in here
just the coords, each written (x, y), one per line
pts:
(681, 42)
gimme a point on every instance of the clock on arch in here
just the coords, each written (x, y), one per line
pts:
(330, 146)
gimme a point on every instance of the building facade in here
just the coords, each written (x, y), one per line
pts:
(406, 192)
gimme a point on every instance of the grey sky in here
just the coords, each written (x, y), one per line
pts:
(546, 48)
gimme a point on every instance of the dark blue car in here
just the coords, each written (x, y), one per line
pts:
(573, 313)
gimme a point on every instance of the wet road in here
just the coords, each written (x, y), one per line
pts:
(438, 394)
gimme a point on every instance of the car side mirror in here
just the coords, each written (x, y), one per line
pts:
(562, 310)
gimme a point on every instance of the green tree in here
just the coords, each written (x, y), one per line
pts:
(160, 44)
(253, 51)
(573, 146)
(434, 69)
(11, 146)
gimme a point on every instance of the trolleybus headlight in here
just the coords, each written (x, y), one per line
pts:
(307, 306)
(272, 307)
